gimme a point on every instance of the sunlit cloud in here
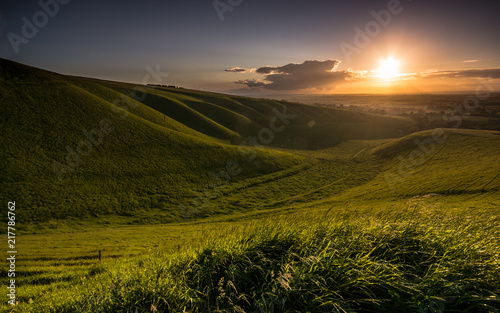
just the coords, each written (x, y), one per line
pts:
(470, 61)
(252, 83)
(469, 73)
(240, 70)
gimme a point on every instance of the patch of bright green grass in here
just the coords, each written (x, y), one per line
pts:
(409, 260)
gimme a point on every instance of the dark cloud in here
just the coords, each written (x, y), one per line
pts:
(478, 73)
(310, 74)
(240, 70)
(251, 83)
(308, 67)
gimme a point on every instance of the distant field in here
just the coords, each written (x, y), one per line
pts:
(416, 101)
(428, 111)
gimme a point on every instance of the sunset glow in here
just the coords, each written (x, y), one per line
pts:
(367, 46)
(389, 69)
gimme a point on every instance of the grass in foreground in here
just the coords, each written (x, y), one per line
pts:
(419, 260)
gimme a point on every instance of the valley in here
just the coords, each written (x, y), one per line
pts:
(201, 202)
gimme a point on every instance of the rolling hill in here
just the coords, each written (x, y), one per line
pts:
(68, 152)
(80, 147)
(442, 167)
(442, 161)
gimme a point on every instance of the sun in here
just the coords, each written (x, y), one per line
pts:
(389, 68)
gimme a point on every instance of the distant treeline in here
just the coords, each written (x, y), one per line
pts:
(169, 86)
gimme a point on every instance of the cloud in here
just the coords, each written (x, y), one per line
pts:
(308, 67)
(251, 83)
(240, 70)
(310, 74)
(475, 73)
(470, 61)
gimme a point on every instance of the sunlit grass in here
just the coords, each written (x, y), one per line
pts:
(415, 259)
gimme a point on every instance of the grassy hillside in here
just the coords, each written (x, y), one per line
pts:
(68, 151)
(443, 161)
(307, 127)
(78, 147)
(349, 261)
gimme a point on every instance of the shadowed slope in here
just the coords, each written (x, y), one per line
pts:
(71, 151)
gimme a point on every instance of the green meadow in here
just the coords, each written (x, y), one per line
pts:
(205, 202)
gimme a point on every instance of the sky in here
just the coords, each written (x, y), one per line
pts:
(262, 47)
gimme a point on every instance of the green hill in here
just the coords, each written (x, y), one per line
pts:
(67, 151)
(440, 162)
(81, 147)
(77, 147)
(235, 118)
